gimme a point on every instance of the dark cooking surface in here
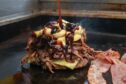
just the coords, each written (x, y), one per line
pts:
(12, 51)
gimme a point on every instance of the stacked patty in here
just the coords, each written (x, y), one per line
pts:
(58, 47)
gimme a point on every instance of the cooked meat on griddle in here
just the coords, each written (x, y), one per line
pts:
(95, 75)
(104, 60)
(56, 47)
(118, 72)
(123, 58)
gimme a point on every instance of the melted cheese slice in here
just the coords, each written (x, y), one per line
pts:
(78, 33)
(77, 37)
(63, 40)
(47, 31)
(38, 33)
(60, 34)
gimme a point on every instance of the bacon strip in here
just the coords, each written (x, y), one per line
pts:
(123, 59)
(95, 75)
(100, 65)
(96, 70)
(108, 55)
(118, 72)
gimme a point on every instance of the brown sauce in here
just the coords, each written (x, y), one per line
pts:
(59, 13)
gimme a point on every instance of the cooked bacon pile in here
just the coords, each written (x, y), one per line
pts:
(56, 47)
(107, 60)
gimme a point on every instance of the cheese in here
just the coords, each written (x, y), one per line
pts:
(77, 37)
(60, 34)
(79, 31)
(47, 31)
(38, 33)
(66, 64)
(63, 40)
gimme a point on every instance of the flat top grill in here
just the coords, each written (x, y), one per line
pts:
(14, 49)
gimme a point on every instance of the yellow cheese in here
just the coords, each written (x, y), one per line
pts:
(77, 37)
(38, 33)
(64, 21)
(57, 25)
(48, 31)
(60, 34)
(66, 64)
(63, 40)
(79, 31)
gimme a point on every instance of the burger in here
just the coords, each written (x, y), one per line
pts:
(58, 47)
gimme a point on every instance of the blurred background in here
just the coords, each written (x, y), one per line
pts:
(95, 15)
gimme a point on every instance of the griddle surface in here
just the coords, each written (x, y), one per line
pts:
(11, 72)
